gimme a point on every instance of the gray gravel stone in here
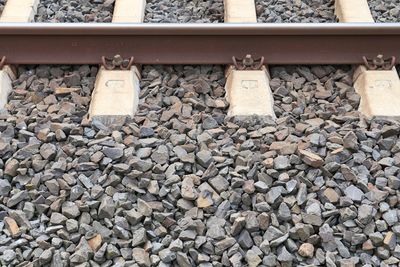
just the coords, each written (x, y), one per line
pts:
(144, 208)
(162, 189)
(385, 10)
(245, 240)
(274, 194)
(219, 183)
(48, 151)
(70, 210)
(2, 3)
(295, 11)
(17, 198)
(113, 152)
(284, 255)
(74, 11)
(167, 255)
(281, 163)
(57, 218)
(139, 237)
(350, 141)
(354, 193)
(365, 213)
(184, 11)
(5, 187)
(204, 158)
(284, 213)
(391, 217)
(8, 255)
(107, 208)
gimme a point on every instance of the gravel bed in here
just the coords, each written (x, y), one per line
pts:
(282, 11)
(183, 184)
(385, 10)
(184, 11)
(75, 11)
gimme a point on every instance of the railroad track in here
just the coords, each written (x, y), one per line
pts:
(124, 153)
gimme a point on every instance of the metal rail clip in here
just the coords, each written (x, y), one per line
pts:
(248, 63)
(379, 63)
(2, 62)
(117, 62)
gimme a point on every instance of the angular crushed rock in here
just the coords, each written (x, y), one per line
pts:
(2, 3)
(385, 10)
(306, 11)
(184, 11)
(75, 11)
(181, 183)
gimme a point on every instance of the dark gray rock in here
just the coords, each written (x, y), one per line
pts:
(64, 11)
(159, 189)
(5, 187)
(185, 12)
(298, 11)
(107, 208)
(245, 240)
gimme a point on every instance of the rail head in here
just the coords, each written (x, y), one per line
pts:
(200, 29)
(286, 43)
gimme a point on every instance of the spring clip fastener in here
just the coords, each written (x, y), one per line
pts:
(248, 63)
(379, 63)
(117, 62)
(2, 62)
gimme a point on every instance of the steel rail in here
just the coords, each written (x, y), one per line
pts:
(45, 43)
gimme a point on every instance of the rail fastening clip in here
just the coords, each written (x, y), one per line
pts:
(2, 62)
(379, 63)
(117, 62)
(248, 63)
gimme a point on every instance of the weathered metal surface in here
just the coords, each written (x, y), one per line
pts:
(348, 43)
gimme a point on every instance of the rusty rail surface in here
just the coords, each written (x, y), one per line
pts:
(45, 43)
